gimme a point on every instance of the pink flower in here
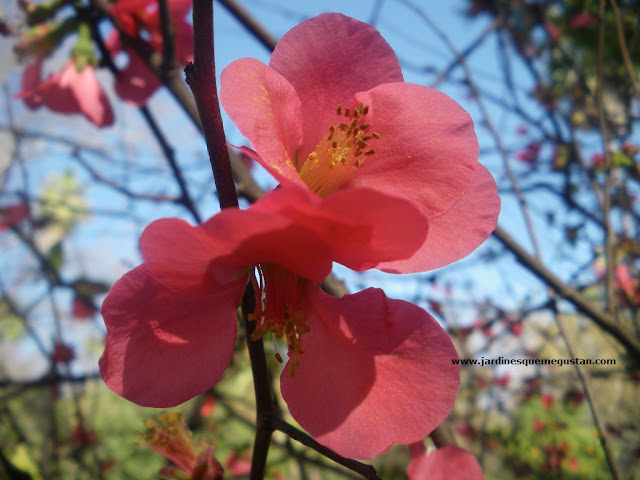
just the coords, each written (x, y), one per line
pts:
(530, 153)
(362, 352)
(13, 215)
(136, 83)
(332, 112)
(82, 308)
(582, 20)
(63, 353)
(553, 31)
(68, 91)
(446, 463)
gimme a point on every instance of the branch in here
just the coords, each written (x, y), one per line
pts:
(367, 471)
(606, 321)
(250, 23)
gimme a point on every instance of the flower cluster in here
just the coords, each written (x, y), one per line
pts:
(375, 173)
(75, 88)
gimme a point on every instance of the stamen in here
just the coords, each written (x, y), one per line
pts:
(334, 159)
(280, 309)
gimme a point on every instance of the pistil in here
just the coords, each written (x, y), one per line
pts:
(280, 308)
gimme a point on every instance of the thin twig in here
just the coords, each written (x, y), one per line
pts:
(367, 471)
(606, 209)
(606, 321)
(633, 78)
(250, 23)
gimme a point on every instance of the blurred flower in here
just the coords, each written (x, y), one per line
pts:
(538, 425)
(72, 90)
(62, 353)
(13, 215)
(362, 352)
(501, 380)
(82, 437)
(582, 20)
(530, 153)
(553, 31)
(82, 309)
(446, 463)
(136, 83)
(331, 112)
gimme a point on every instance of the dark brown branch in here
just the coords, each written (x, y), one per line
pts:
(265, 407)
(367, 471)
(250, 23)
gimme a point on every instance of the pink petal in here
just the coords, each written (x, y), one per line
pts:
(446, 463)
(328, 59)
(360, 226)
(624, 280)
(56, 93)
(191, 259)
(266, 110)
(164, 348)
(178, 255)
(428, 151)
(91, 98)
(13, 215)
(179, 8)
(374, 372)
(136, 83)
(459, 231)
(184, 41)
(31, 78)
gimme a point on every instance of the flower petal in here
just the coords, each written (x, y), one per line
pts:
(327, 59)
(164, 348)
(31, 78)
(446, 463)
(265, 108)
(91, 98)
(428, 150)
(194, 259)
(136, 83)
(360, 226)
(373, 369)
(459, 231)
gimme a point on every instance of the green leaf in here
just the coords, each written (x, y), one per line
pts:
(621, 159)
(56, 256)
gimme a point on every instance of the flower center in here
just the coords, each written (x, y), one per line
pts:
(280, 308)
(340, 152)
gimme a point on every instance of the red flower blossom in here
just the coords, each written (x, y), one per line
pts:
(68, 91)
(82, 308)
(136, 83)
(332, 112)
(582, 20)
(63, 353)
(361, 352)
(538, 425)
(13, 215)
(502, 380)
(530, 153)
(446, 463)
(82, 437)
